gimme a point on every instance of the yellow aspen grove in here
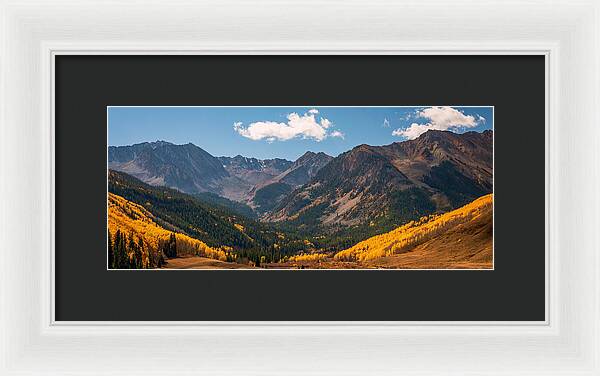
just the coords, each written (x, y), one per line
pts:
(414, 233)
(131, 218)
(308, 257)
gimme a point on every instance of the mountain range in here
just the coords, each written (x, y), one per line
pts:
(396, 183)
(190, 169)
(371, 188)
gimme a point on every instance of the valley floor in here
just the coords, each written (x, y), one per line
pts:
(409, 260)
(197, 262)
(430, 255)
(465, 244)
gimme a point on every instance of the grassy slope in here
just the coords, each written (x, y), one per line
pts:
(458, 239)
(465, 246)
(462, 236)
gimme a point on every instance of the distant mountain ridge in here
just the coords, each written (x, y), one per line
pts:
(190, 169)
(304, 168)
(266, 195)
(187, 168)
(253, 170)
(385, 186)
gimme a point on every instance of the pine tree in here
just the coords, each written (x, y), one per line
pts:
(132, 254)
(111, 255)
(173, 245)
(121, 256)
(160, 259)
(117, 250)
(140, 249)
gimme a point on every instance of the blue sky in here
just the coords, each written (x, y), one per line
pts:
(287, 132)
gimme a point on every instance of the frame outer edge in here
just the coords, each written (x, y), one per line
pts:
(27, 350)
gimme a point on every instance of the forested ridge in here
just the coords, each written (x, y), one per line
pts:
(136, 241)
(214, 226)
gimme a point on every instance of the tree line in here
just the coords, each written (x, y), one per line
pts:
(130, 252)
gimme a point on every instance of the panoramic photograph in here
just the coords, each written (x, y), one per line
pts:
(318, 187)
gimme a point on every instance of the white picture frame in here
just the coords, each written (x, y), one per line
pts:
(566, 33)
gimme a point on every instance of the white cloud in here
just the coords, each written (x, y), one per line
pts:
(337, 134)
(439, 118)
(305, 126)
(313, 111)
(412, 132)
(386, 123)
(325, 123)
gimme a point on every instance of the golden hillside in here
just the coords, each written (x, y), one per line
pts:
(130, 217)
(462, 236)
